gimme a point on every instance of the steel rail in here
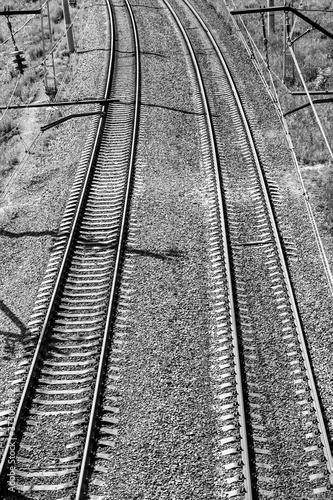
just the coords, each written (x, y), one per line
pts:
(231, 292)
(277, 238)
(80, 492)
(34, 363)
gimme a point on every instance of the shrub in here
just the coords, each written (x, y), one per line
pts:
(35, 51)
(56, 12)
(10, 159)
(8, 128)
(58, 32)
(36, 37)
(13, 160)
(314, 54)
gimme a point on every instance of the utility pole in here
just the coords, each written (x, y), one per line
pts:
(284, 44)
(50, 81)
(271, 19)
(68, 24)
(291, 61)
(19, 59)
(287, 58)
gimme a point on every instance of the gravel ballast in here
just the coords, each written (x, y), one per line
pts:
(134, 456)
(305, 265)
(310, 283)
(168, 431)
(164, 447)
(33, 207)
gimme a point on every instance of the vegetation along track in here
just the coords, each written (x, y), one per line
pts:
(63, 375)
(274, 441)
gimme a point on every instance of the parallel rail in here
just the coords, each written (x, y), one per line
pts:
(226, 245)
(227, 248)
(279, 246)
(78, 219)
(229, 273)
(102, 361)
(35, 360)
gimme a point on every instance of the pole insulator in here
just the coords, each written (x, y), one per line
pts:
(19, 60)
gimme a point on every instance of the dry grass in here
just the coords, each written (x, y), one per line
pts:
(56, 12)
(23, 89)
(8, 129)
(314, 53)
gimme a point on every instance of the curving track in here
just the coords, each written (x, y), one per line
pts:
(72, 320)
(271, 437)
(245, 446)
(221, 224)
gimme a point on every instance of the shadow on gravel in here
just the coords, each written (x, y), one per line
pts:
(12, 316)
(178, 110)
(153, 54)
(169, 255)
(91, 50)
(147, 6)
(172, 109)
(10, 335)
(27, 233)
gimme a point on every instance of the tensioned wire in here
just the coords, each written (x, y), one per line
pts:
(62, 88)
(23, 25)
(276, 101)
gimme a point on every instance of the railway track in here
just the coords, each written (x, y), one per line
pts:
(63, 414)
(250, 240)
(270, 425)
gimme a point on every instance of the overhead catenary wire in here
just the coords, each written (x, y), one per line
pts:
(273, 93)
(43, 61)
(23, 25)
(40, 64)
(310, 99)
(254, 46)
(301, 77)
(61, 90)
(10, 99)
(28, 151)
(54, 46)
